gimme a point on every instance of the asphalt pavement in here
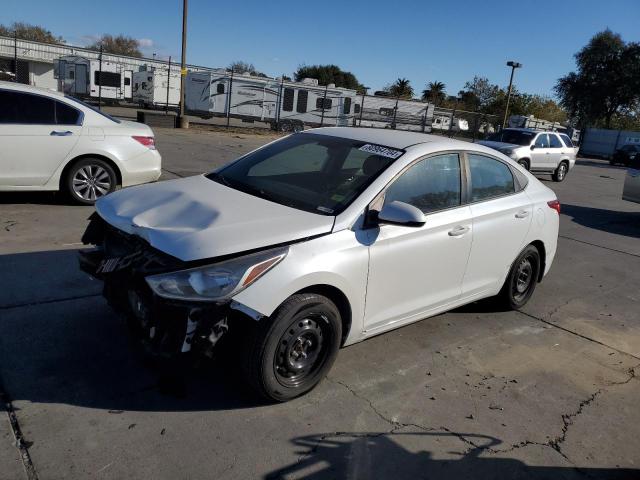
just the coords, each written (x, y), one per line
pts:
(547, 392)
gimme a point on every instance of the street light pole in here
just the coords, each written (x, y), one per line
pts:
(513, 66)
(184, 123)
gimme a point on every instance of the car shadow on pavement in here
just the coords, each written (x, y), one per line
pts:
(60, 343)
(399, 455)
(35, 198)
(611, 221)
(599, 164)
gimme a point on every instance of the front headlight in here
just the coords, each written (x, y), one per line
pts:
(216, 282)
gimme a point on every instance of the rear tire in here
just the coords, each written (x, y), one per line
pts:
(561, 172)
(522, 279)
(90, 179)
(289, 353)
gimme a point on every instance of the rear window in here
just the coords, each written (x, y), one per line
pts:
(567, 141)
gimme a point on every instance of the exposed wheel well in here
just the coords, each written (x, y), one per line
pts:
(71, 163)
(543, 257)
(341, 302)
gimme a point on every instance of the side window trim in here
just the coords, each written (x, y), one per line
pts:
(516, 182)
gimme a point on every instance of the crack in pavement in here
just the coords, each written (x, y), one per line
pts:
(599, 246)
(45, 302)
(20, 443)
(577, 334)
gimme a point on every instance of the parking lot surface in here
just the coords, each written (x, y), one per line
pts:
(547, 392)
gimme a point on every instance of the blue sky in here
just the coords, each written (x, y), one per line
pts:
(448, 41)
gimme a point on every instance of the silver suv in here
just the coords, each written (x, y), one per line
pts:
(539, 152)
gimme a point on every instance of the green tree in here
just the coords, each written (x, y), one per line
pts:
(326, 74)
(434, 92)
(118, 45)
(606, 83)
(243, 68)
(26, 31)
(401, 88)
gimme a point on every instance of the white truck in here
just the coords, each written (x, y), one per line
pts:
(286, 105)
(88, 78)
(153, 88)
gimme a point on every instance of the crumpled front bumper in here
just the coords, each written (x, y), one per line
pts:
(166, 328)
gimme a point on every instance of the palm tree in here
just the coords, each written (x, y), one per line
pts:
(401, 88)
(434, 92)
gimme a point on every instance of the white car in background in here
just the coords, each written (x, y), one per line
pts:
(319, 240)
(540, 152)
(49, 141)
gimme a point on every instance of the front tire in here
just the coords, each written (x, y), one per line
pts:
(289, 353)
(561, 172)
(524, 164)
(89, 179)
(522, 279)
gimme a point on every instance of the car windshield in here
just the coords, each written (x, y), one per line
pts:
(92, 108)
(316, 173)
(517, 137)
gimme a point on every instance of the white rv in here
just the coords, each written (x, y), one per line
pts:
(443, 122)
(286, 105)
(389, 112)
(83, 77)
(156, 88)
(523, 121)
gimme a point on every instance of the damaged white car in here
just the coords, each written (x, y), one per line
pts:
(316, 241)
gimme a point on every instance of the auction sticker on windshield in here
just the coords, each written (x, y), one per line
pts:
(382, 151)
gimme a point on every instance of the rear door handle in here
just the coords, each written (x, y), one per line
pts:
(57, 133)
(458, 231)
(522, 214)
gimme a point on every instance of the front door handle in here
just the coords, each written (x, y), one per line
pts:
(58, 133)
(458, 231)
(522, 214)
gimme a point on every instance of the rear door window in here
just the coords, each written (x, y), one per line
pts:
(554, 141)
(25, 108)
(490, 178)
(67, 115)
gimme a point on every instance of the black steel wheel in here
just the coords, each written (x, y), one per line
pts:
(522, 279)
(289, 353)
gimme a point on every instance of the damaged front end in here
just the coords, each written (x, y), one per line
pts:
(172, 306)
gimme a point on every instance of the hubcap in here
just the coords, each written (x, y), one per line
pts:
(524, 278)
(302, 349)
(561, 171)
(91, 182)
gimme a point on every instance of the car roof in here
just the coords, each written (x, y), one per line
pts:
(532, 130)
(28, 88)
(386, 137)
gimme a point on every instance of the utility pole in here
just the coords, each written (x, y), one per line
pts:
(15, 56)
(513, 66)
(324, 101)
(184, 123)
(100, 79)
(166, 110)
(364, 93)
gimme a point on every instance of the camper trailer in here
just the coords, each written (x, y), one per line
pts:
(389, 112)
(286, 105)
(154, 87)
(87, 78)
(442, 121)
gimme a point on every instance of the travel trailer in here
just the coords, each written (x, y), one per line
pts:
(87, 78)
(522, 121)
(286, 105)
(443, 122)
(389, 112)
(153, 87)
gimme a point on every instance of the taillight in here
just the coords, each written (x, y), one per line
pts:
(148, 142)
(555, 204)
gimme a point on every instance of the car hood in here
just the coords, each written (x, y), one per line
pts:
(499, 145)
(195, 218)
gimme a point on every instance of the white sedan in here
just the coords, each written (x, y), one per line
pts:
(49, 141)
(320, 240)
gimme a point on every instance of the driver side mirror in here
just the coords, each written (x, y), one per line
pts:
(533, 146)
(401, 213)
